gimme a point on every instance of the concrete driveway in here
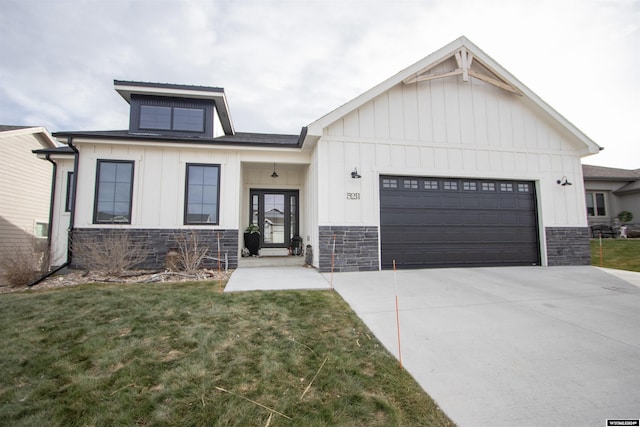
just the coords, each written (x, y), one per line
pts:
(512, 346)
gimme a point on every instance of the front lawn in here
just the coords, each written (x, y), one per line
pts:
(622, 254)
(186, 354)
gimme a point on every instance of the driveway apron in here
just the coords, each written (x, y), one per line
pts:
(526, 346)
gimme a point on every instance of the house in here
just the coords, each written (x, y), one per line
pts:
(25, 187)
(450, 162)
(610, 191)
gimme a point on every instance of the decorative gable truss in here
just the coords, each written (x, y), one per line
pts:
(467, 66)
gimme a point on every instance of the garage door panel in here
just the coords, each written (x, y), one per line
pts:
(441, 222)
(434, 235)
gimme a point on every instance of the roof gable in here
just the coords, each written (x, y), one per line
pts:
(39, 132)
(471, 63)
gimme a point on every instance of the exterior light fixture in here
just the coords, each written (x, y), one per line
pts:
(355, 174)
(274, 174)
(563, 181)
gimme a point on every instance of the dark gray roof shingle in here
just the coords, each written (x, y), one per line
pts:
(601, 172)
(240, 138)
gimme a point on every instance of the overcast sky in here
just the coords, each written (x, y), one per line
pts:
(286, 63)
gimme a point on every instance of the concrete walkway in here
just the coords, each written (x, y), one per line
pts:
(526, 346)
(275, 278)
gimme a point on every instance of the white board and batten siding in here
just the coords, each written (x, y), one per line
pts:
(448, 128)
(160, 175)
(158, 183)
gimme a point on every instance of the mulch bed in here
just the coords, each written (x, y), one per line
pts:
(77, 277)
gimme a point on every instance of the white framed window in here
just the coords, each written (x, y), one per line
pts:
(596, 205)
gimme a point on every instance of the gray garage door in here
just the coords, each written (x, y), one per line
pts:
(451, 222)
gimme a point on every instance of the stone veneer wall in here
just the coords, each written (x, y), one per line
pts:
(568, 246)
(356, 248)
(160, 241)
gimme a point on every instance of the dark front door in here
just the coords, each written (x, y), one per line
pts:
(276, 213)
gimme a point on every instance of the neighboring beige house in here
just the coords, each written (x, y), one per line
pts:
(450, 162)
(610, 191)
(25, 186)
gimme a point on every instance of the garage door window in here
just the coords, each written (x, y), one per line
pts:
(430, 185)
(469, 186)
(451, 185)
(508, 187)
(488, 186)
(411, 183)
(389, 183)
(523, 188)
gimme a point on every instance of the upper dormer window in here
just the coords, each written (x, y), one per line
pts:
(176, 111)
(172, 118)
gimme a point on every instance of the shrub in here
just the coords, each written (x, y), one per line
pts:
(113, 252)
(22, 266)
(633, 234)
(190, 253)
(625, 216)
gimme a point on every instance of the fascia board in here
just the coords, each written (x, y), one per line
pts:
(127, 90)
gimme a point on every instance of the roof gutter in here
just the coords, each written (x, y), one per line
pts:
(76, 158)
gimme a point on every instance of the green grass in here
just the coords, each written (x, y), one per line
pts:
(186, 354)
(622, 254)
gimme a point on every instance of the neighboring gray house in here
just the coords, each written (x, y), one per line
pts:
(610, 191)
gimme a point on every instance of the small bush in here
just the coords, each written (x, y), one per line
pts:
(114, 252)
(189, 254)
(633, 234)
(625, 216)
(22, 266)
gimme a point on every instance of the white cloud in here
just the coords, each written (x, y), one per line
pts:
(285, 63)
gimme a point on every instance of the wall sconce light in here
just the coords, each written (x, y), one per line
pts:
(355, 174)
(274, 174)
(563, 181)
